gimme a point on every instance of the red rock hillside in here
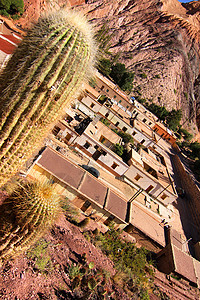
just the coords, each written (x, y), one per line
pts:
(157, 38)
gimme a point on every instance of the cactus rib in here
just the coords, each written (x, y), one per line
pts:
(35, 206)
(52, 73)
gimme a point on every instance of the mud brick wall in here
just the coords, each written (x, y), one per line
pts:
(191, 190)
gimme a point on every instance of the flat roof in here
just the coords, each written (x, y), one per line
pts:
(57, 165)
(183, 264)
(113, 86)
(79, 179)
(90, 90)
(147, 223)
(94, 189)
(116, 205)
(175, 238)
(60, 167)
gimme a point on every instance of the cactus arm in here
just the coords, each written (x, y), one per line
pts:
(24, 102)
(62, 62)
(47, 118)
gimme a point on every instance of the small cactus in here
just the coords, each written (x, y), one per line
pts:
(25, 215)
(43, 74)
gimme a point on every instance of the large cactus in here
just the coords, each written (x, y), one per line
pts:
(41, 77)
(25, 215)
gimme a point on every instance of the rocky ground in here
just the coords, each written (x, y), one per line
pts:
(26, 277)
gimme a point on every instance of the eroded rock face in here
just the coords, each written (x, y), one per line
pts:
(158, 40)
(33, 9)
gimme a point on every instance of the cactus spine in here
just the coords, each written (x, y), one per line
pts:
(25, 215)
(43, 74)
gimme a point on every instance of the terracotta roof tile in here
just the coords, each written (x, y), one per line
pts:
(6, 47)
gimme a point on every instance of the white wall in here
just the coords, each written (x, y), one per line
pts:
(108, 159)
(145, 181)
(88, 101)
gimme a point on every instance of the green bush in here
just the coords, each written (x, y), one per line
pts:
(118, 149)
(160, 111)
(40, 254)
(3, 12)
(143, 75)
(131, 262)
(104, 66)
(195, 147)
(121, 76)
(173, 119)
(186, 135)
(126, 137)
(105, 122)
(102, 99)
(11, 7)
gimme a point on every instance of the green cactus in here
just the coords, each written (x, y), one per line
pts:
(25, 215)
(43, 74)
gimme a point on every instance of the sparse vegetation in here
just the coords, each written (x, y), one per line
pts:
(88, 280)
(40, 254)
(105, 121)
(37, 83)
(103, 38)
(186, 135)
(118, 149)
(143, 75)
(134, 271)
(13, 8)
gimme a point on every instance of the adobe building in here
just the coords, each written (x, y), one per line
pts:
(164, 133)
(10, 37)
(104, 86)
(95, 199)
(98, 144)
(83, 189)
(174, 259)
(145, 169)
